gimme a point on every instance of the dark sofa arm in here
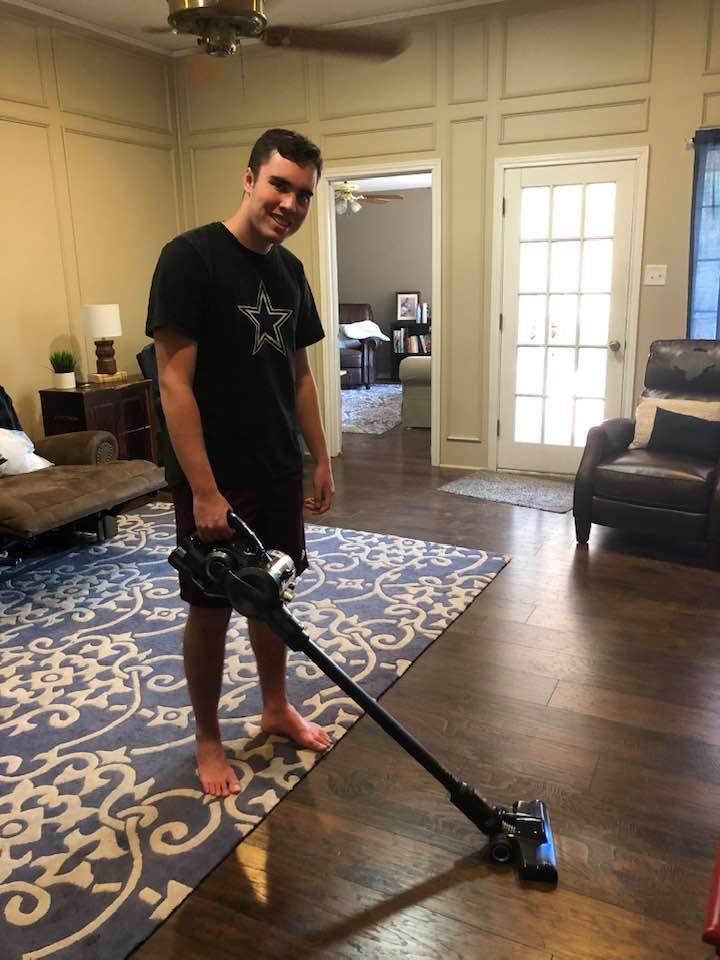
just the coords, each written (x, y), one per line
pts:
(604, 441)
(84, 446)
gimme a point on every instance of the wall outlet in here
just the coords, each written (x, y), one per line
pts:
(655, 275)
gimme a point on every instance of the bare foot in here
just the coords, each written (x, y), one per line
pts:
(287, 722)
(216, 775)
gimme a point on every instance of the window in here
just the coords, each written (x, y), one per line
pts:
(704, 299)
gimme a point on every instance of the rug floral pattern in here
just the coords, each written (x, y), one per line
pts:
(374, 411)
(103, 830)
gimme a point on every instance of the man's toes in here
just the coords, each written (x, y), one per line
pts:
(322, 737)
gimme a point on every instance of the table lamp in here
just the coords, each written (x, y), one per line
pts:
(101, 322)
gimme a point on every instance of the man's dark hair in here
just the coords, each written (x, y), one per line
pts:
(293, 146)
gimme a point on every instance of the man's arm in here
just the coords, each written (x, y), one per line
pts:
(176, 358)
(308, 412)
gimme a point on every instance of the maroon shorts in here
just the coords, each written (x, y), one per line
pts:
(274, 512)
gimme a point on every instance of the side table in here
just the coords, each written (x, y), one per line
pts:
(123, 409)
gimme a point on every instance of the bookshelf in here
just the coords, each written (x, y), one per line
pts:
(409, 340)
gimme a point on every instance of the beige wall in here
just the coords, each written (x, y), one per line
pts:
(381, 251)
(87, 139)
(88, 190)
(516, 79)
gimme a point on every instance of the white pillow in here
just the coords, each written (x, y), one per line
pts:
(647, 406)
(363, 329)
(16, 454)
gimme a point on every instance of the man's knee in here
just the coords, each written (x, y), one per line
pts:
(259, 630)
(211, 620)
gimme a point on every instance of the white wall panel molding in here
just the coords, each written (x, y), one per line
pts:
(356, 88)
(581, 47)
(21, 78)
(379, 142)
(222, 96)
(468, 61)
(465, 230)
(129, 88)
(569, 123)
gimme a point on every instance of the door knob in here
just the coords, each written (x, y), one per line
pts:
(614, 345)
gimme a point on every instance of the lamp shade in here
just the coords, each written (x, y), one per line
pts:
(101, 321)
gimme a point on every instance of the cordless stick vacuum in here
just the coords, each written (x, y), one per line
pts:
(258, 583)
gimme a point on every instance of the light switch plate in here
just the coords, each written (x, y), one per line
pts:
(655, 275)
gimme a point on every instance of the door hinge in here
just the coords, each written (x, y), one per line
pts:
(503, 207)
(501, 322)
(498, 428)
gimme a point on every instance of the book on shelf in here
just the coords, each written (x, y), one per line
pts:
(405, 342)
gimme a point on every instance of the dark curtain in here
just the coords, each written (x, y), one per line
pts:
(704, 299)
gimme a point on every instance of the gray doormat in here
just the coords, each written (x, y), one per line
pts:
(522, 490)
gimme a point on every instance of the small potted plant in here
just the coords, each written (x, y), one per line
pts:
(63, 364)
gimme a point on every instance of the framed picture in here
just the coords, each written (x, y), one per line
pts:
(406, 306)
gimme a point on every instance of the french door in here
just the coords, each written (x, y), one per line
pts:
(566, 272)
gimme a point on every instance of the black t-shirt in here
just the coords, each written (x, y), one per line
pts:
(248, 314)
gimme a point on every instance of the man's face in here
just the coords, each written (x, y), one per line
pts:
(279, 197)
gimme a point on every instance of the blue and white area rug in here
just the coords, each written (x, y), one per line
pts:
(375, 411)
(103, 827)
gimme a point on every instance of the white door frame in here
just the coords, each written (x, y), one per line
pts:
(641, 156)
(327, 240)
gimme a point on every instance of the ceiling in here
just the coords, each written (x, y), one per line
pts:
(404, 181)
(124, 19)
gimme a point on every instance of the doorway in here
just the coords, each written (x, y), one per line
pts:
(329, 288)
(567, 267)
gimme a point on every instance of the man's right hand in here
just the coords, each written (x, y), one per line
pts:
(211, 510)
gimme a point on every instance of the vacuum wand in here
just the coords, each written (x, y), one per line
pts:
(257, 583)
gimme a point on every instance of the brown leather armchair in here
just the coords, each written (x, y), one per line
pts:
(644, 489)
(357, 357)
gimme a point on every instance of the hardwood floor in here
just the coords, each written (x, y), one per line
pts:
(590, 679)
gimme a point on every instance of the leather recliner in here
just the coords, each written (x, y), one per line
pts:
(643, 489)
(357, 357)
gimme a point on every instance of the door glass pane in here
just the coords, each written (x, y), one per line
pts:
(565, 266)
(597, 266)
(530, 370)
(528, 419)
(588, 413)
(531, 319)
(533, 268)
(561, 371)
(567, 210)
(592, 372)
(600, 210)
(594, 319)
(534, 213)
(558, 421)
(562, 318)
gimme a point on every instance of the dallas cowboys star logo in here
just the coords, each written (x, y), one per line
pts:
(267, 321)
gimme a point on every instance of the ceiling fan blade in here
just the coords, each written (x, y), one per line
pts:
(383, 196)
(373, 200)
(372, 46)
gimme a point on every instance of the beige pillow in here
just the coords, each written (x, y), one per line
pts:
(645, 414)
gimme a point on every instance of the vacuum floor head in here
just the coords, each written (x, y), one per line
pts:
(536, 849)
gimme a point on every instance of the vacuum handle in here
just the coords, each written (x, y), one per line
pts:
(247, 537)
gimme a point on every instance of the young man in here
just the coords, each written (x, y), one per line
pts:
(232, 314)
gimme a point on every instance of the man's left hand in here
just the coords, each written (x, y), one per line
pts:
(323, 489)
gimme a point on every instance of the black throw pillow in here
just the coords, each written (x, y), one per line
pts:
(688, 436)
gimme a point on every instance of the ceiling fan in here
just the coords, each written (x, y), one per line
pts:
(349, 197)
(220, 25)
